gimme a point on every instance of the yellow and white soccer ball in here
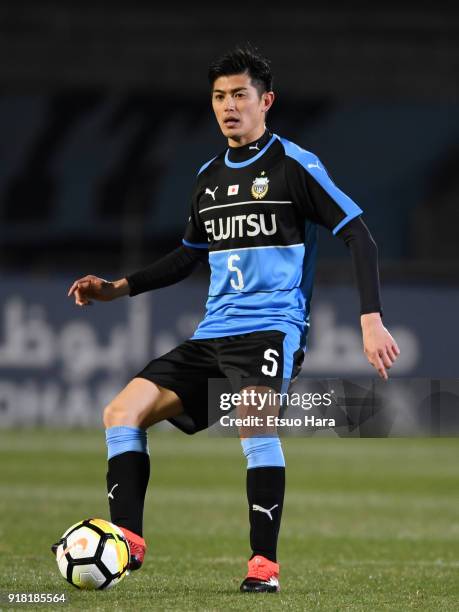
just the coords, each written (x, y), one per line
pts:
(93, 554)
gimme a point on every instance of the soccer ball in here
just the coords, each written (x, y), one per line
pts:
(93, 554)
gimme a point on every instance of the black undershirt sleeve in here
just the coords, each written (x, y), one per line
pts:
(364, 254)
(170, 269)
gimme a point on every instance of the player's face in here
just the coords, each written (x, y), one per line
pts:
(239, 108)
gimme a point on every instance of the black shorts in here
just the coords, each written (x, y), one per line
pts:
(257, 358)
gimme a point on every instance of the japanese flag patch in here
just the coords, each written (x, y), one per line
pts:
(233, 190)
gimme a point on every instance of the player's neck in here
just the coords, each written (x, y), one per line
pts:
(251, 149)
(246, 139)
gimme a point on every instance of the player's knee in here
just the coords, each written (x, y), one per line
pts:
(111, 415)
(116, 414)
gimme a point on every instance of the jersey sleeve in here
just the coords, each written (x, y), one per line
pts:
(170, 269)
(314, 193)
(364, 252)
(195, 235)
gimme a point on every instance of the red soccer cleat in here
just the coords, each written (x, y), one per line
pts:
(137, 548)
(262, 577)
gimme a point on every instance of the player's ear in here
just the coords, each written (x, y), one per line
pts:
(268, 99)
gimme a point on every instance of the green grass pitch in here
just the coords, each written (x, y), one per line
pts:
(368, 524)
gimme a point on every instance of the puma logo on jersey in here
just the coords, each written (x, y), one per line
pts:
(256, 507)
(316, 165)
(211, 193)
(255, 146)
(240, 226)
(110, 494)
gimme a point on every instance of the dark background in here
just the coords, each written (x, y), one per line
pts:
(105, 119)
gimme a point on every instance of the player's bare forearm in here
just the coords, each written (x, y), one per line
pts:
(91, 287)
(121, 287)
(379, 346)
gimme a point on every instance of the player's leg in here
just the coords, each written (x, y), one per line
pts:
(172, 387)
(267, 357)
(265, 486)
(139, 405)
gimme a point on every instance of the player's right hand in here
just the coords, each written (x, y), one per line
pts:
(91, 288)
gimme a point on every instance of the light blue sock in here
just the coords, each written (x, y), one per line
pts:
(263, 452)
(122, 439)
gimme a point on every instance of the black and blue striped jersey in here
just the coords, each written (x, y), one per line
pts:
(255, 209)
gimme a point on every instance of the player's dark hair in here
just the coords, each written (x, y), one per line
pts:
(243, 60)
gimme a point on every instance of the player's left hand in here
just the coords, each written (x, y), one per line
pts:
(378, 345)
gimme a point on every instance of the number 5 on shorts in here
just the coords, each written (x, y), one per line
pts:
(270, 370)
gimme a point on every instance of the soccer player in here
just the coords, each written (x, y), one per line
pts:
(254, 215)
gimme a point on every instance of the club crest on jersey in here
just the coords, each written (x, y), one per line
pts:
(260, 186)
